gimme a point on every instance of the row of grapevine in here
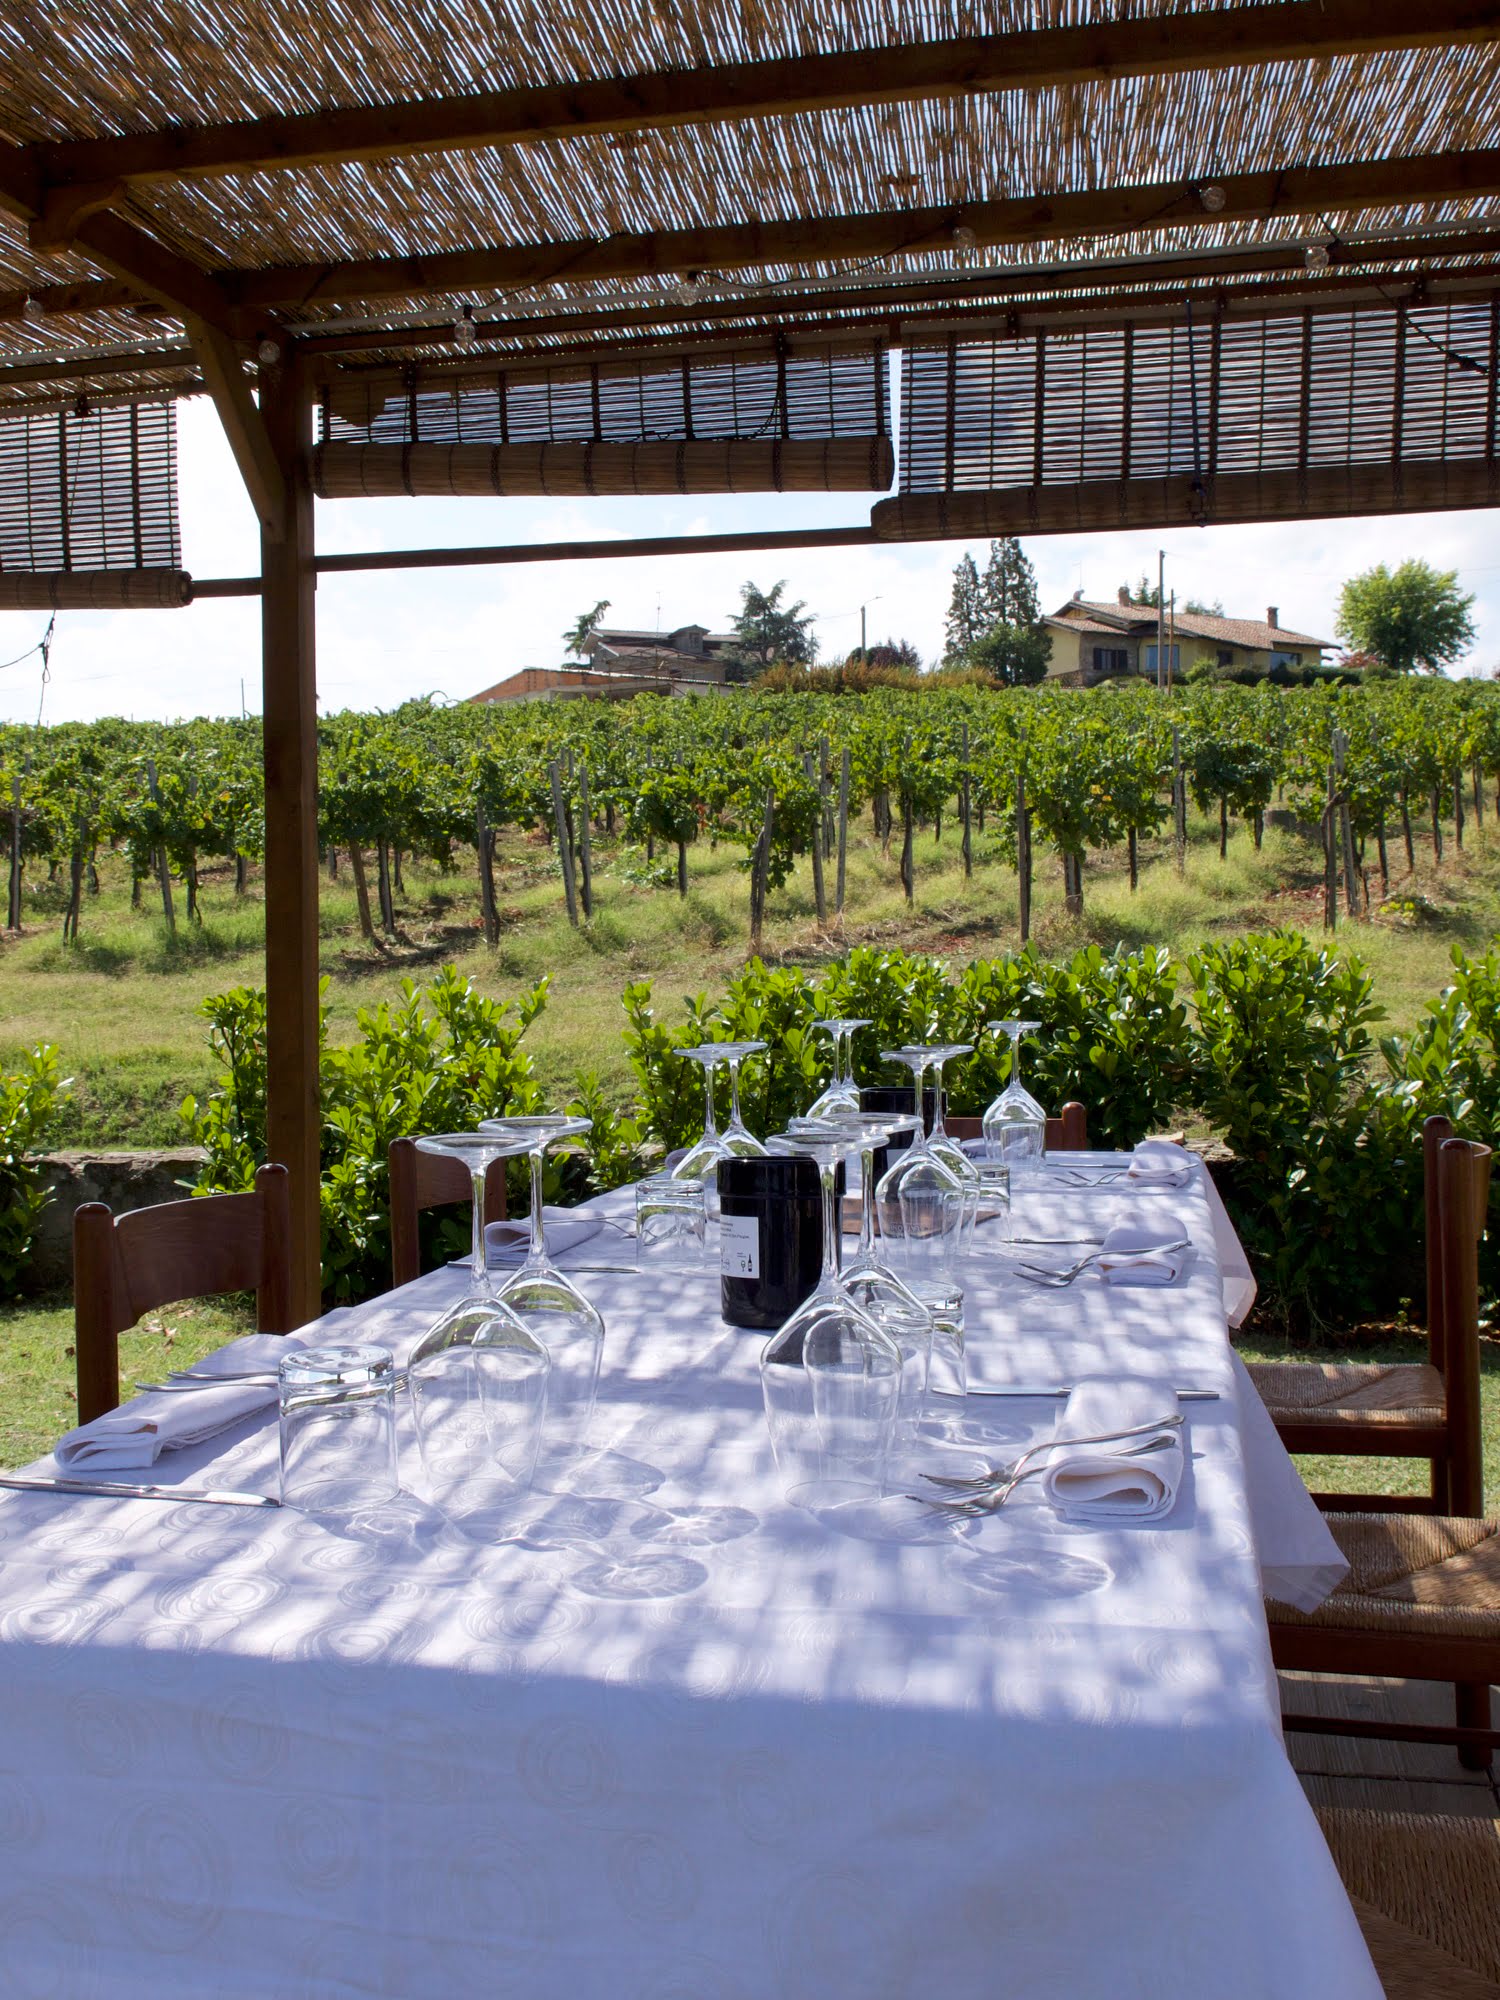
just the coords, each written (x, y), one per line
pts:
(779, 775)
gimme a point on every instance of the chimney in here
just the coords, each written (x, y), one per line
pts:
(1271, 619)
(1078, 595)
(1123, 593)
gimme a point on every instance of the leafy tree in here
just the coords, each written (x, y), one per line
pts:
(768, 632)
(1007, 591)
(1413, 619)
(898, 653)
(965, 623)
(1015, 655)
(583, 628)
(1149, 594)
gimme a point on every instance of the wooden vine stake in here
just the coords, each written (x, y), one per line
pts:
(586, 844)
(838, 901)
(13, 911)
(564, 846)
(1179, 805)
(760, 868)
(159, 855)
(1353, 880)
(486, 855)
(1023, 854)
(1330, 857)
(964, 807)
(361, 890)
(820, 893)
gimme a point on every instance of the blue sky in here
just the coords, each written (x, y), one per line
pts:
(384, 637)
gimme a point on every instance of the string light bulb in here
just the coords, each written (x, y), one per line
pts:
(33, 312)
(1317, 257)
(465, 332)
(268, 352)
(688, 289)
(964, 238)
(1213, 197)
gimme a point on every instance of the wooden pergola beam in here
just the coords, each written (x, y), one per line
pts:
(224, 378)
(1045, 58)
(1113, 211)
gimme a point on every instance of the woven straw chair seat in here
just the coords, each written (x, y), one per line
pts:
(1429, 1573)
(1356, 1393)
(1427, 1895)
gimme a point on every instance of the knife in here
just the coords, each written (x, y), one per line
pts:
(218, 1496)
(1066, 1389)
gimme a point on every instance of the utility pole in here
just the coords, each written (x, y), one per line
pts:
(864, 653)
(1161, 611)
(1171, 638)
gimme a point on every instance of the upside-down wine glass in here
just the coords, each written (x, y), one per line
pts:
(1015, 1125)
(948, 1150)
(547, 1303)
(927, 1226)
(739, 1140)
(478, 1379)
(701, 1160)
(831, 1377)
(842, 1093)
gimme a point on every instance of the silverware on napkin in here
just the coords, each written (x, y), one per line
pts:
(119, 1489)
(1066, 1389)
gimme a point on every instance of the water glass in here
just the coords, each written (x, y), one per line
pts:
(948, 1374)
(338, 1429)
(932, 1232)
(671, 1226)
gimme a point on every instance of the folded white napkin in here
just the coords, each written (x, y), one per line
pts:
(1158, 1163)
(506, 1243)
(137, 1434)
(1100, 1482)
(1136, 1253)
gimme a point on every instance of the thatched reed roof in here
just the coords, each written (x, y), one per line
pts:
(145, 139)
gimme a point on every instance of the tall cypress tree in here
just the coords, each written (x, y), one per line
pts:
(1007, 593)
(965, 624)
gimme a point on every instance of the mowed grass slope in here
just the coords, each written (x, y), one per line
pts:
(122, 1005)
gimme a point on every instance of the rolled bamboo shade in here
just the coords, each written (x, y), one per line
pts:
(89, 490)
(95, 590)
(1414, 486)
(687, 465)
(1372, 397)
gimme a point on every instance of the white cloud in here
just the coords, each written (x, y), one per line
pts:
(383, 636)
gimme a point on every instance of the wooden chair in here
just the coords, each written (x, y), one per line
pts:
(1410, 1409)
(1422, 1598)
(430, 1180)
(1426, 1891)
(1068, 1132)
(128, 1265)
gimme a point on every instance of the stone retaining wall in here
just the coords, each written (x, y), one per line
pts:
(121, 1180)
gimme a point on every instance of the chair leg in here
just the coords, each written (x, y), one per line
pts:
(1471, 1702)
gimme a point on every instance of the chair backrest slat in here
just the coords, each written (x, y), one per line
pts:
(430, 1180)
(1463, 1180)
(1068, 1132)
(1434, 1131)
(124, 1266)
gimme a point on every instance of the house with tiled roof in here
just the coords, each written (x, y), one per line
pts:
(1093, 642)
(619, 663)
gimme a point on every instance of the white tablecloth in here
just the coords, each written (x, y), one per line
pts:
(720, 1755)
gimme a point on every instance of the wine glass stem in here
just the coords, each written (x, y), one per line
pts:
(939, 1127)
(867, 1205)
(710, 1127)
(844, 1047)
(479, 1268)
(828, 1174)
(1015, 1062)
(538, 1251)
(734, 1094)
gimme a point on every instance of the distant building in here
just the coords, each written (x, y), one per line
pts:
(690, 660)
(1092, 642)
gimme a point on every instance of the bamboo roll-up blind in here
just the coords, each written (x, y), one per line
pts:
(89, 490)
(692, 465)
(95, 590)
(783, 390)
(1329, 389)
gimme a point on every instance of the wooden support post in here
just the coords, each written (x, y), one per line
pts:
(586, 847)
(293, 1123)
(820, 893)
(564, 844)
(838, 900)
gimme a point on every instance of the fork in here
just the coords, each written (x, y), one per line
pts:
(1045, 1275)
(980, 1504)
(998, 1474)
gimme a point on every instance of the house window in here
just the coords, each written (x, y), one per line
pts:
(1226, 656)
(1111, 660)
(1174, 654)
(1286, 659)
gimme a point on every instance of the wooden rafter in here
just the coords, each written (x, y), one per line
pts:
(1112, 211)
(224, 378)
(1160, 45)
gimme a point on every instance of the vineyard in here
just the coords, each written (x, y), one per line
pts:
(1054, 777)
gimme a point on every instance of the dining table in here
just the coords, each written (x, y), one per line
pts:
(686, 1740)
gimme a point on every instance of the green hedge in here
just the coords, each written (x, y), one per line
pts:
(1268, 1041)
(29, 1099)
